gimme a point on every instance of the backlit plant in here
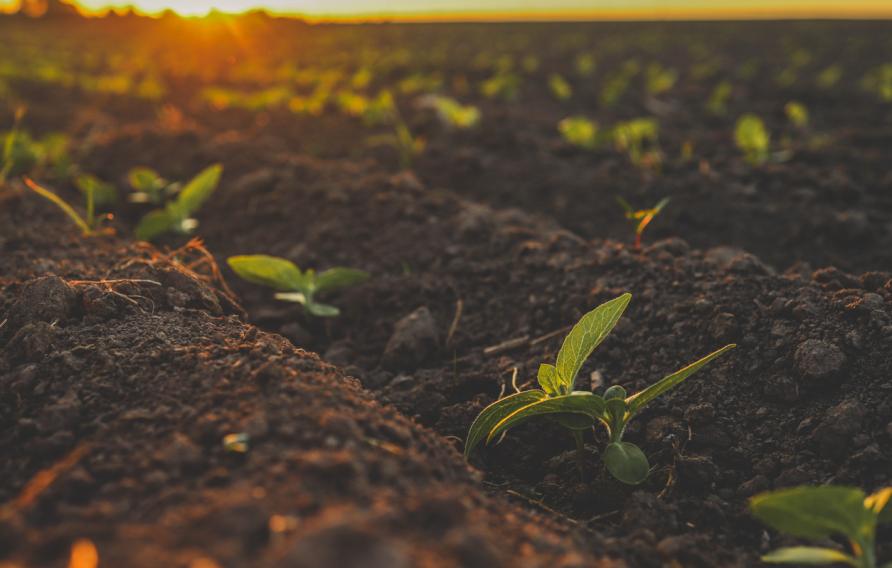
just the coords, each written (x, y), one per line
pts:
(90, 222)
(579, 131)
(638, 138)
(294, 285)
(176, 215)
(821, 512)
(797, 114)
(149, 187)
(579, 411)
(752, 138)
(641, 217)
(559, 87)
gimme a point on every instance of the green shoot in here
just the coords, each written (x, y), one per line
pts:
(149, 187)
(718, 99)
(797, 114)
(88, 224)
(579, 131)
(633, 136)
(100, 192)
(581, 410)
(20, 153)
(453, 114)
(641, 217)
(559, 87)
(752, 139)
(821, 512)
(503, 85)
(175, 217)
(385, 110)
(658, 79)
(293, 285)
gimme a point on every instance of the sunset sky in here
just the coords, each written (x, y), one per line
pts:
(516, 9)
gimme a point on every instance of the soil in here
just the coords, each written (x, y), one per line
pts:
(125, 369)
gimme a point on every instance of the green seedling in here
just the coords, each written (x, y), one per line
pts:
(103, 193)
(878, 81)
(822, 512)
(176, 215)
(617, 85)
(293, 285)
(718, 100)
(829, 77)
(504, 85)
(453, 114)
(89, 223)
(559, 87)
(149, 187)
(633, 136)
(641, 217)
(659, 79)
(752, 138)
(579, 131)
(385, 110)
(585, 64)
(797, 114)
(581, 410)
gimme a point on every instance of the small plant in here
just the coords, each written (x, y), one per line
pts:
(641, 218)
(821, 512)
(103, 193)
(292, 284)
(581, 410)
(718, 100)
(385, 110)
(797, 114)
(634, 137)
(149, 187)
(559, 87)
(659, 79)
(88, 224)
(452, 113)
(752, 138)
(176, 215)
(579, 131)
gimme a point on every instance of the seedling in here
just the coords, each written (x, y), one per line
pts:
(559, 87)
(797, 114)
(89, 224)
(175, 216)
(292, 284)
(384, 109)
(821, 512)
(658, 79)
(579, 131)
(752, 138)
(641, 217)
(718, 100)
(103, 193)
(452, 113)
(580, 410)
(632, 137)
(149, 187)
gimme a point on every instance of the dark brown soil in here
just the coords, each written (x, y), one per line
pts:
(123, 389)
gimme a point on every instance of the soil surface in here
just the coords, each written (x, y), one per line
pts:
(124, 366)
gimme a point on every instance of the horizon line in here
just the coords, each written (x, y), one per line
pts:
(532, 16)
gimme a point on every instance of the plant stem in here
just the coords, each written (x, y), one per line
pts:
(580, 453)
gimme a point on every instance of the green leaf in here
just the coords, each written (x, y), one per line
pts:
(321, 310)
(879, 504)
(197, 191)
(626, 462)
(104, 193)
(337, 278)
(548, 379)
(155, 223)
(585, 336)
(814, 512)
(641, 399)
(61, 204)
(495, 412)
(271, 271)
(147, 181)
(579, 403)
(808, 555)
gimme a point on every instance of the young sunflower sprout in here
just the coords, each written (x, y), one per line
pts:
(579, 411)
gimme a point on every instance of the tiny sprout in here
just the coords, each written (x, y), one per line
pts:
(659, 79)
(821, 512)
(718, 99)
(797, 114)
(579, 131)
(149, 187)
(752, 138)
(452, 113)
(581, 410)
(631, 137)
(385, 110)
(237, 443)
(292, 284)
(89, 224)
(559, 87)
(641, 217)
(175, 217)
